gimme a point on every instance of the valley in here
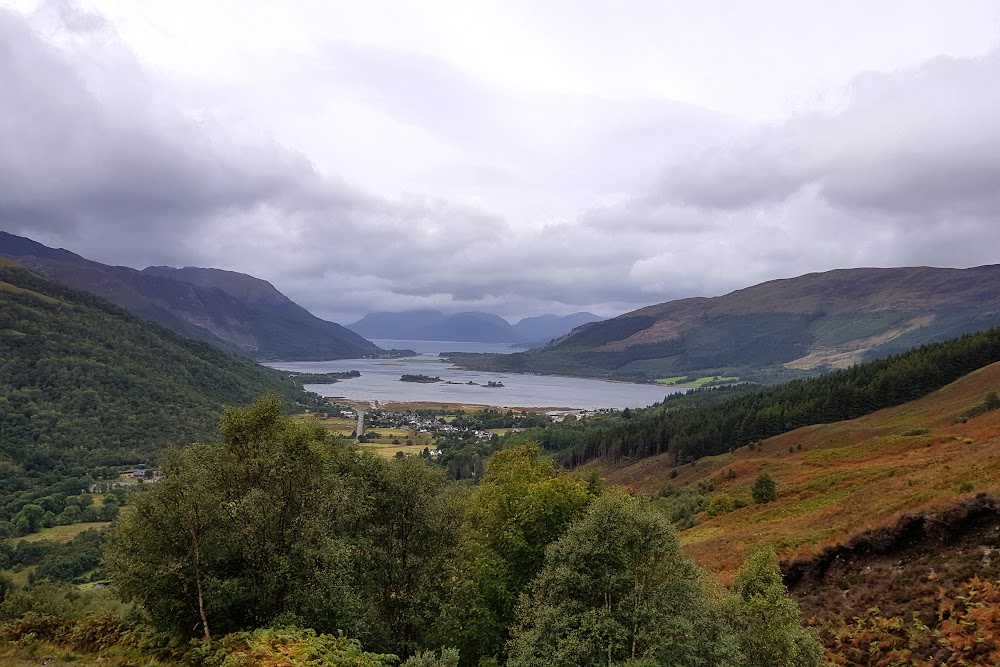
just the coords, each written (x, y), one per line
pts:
(881, 514)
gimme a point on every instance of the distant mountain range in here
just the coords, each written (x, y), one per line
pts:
(234, 311)
(778, 329)
(468, 327)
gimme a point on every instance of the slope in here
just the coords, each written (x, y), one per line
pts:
(84, 384)
(888, 524)
(778, 329)
(838, 480)
(282, 328)
(544, 328)
(222, 311)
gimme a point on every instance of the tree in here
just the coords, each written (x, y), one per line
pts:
(614, 591)
(764, 489)
(407, 537)
(238, 535)
(767, 621)
(522, 504)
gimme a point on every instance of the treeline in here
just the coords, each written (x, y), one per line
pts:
(731, 418)
(279, 543)
(85, 388)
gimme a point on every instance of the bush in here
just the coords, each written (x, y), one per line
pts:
(764, 489)
(287, 647)
(720, 504)
(448, 658)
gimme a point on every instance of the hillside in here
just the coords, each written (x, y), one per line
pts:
(233, 311)
(887, 524)
(778, 329)
(84, 384)
(543, 328)
(838, 480)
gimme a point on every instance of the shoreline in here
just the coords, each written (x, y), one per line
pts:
(440, 405)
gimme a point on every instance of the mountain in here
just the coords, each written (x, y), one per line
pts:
(467, 327)
(84, 385)
(544, 328)
(778, 329)
(435, 325)
(231, 310)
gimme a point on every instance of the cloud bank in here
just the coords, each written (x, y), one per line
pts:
(528, 202)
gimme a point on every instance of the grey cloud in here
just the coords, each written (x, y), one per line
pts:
(80, 161)
(97, 158)
(923, 142)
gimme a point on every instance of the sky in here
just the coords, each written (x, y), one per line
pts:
(517, 157)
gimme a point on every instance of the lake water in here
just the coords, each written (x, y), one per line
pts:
(380, 381)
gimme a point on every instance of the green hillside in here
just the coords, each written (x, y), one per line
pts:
(233, 311)
(84, 385)
(706, 423)
(777, 330)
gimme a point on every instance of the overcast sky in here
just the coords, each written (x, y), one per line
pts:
(518, 157)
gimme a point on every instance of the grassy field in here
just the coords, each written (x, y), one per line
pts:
(338, 425)
(835, 481)
(61, 533)
(389, 450)
(679, 381)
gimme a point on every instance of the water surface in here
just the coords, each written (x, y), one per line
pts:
(380, 381)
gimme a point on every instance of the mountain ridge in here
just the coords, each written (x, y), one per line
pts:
(777, 329)
(234, 311)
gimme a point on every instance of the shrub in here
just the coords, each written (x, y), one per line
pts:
(720, 504)
(764, 489)
(287, 647)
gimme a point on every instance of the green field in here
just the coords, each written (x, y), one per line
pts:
(389, 450)
(685, 381)
(61, 533)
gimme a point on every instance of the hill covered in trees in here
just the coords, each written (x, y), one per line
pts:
(780, 329)
(715, 421)
(85, 385)
(233, 311)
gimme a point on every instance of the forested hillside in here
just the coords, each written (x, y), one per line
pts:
(233, 311)
(689, 428)
(777, 330)
(84, 385)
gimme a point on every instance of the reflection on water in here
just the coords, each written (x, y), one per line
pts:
(379, 381)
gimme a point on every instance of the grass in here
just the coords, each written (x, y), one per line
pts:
(61, 534)
(7, 287)
(678, 381)
(337, 425)
(389, 450)
(838, 480)
(43, 653)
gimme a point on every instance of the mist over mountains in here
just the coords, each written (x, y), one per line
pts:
(468, 327)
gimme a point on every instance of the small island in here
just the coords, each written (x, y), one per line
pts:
(321, 378)
(426, 379)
